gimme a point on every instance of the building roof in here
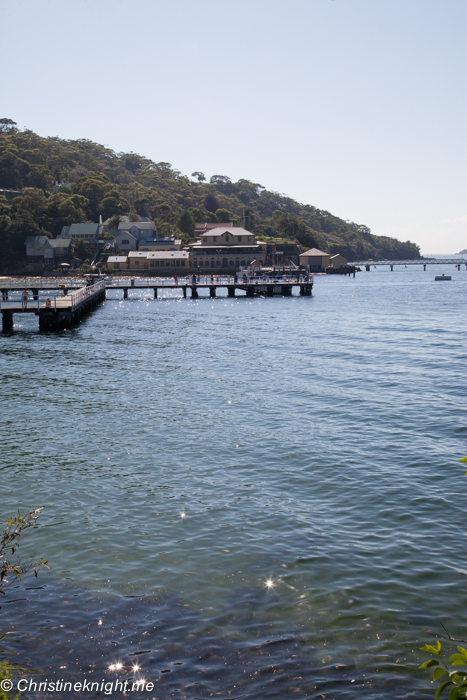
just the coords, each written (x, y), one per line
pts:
(338, 255)
(315, 253)
(127, 225)
(232, 230)
(35, 240)
(58, 242)
(138, 254)
(83, 230)
(208, 226)
(125, 233)
(160, 241)
(116, 258)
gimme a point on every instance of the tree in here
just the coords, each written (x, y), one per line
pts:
(201, 176)
(210, 203)
(223, 215)
(8, 126)
(186, 222)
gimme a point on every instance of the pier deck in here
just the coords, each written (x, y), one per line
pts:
(63, 311)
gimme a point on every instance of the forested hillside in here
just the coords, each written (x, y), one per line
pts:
(98, 181)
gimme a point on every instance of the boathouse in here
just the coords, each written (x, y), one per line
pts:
(315, 260)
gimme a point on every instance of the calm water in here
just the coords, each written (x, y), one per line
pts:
(310, 441)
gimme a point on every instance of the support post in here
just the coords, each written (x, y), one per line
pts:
(424, 267)
(392, 268)
(367, 268)
(35, 294)
(231, 291)
(184, 292)
(7, 321)
(212, 292)
(125, 293)
(194, 291)
(155, 292)
(5, 294)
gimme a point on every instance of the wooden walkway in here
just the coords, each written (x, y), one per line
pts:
(63, 311)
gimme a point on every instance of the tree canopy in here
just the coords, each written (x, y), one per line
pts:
(65, 181)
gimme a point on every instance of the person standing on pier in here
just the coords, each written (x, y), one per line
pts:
(176, 280)
(24, 299)
(193, 279)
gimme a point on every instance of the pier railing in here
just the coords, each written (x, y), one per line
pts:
(69, 301)
(80, 295)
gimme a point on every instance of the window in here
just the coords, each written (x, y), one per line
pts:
(136, 262)
(167, 264)
(214, 238)
(125, 241)
(212, 263)
(226, 239)
(225, 262)
(239, 238)
(231, 263)
(157, 263)
(243, 263)
(151, 264)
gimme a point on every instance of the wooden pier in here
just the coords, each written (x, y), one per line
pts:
(63, 312)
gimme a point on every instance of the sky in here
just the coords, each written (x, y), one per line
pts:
(357, 107)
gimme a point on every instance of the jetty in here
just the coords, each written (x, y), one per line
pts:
(64, 310)
(58, 313)
(457, 262)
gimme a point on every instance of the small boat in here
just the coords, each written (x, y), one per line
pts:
(442, 277)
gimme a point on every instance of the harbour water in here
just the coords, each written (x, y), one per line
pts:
(186, 452)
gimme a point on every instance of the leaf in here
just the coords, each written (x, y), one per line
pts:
(462, 650)
(453, 693)
(438, 673)
(441, 688)
(430, 662)
(463, 459)
(438, 645)
(429, 649)
(458, 657)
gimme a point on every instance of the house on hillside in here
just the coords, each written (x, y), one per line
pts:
(55, 248)
(86, 232)
(315, 260)
(125, 241)
(140, 230)
(35, 248)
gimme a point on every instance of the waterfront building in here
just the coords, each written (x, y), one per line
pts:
(224, 248)
(338, 260)
(117, 262)
(315, 260)
(177, 261)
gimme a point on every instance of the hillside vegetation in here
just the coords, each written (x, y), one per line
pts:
(99, 181)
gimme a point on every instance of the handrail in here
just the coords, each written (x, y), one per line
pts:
(84, 293)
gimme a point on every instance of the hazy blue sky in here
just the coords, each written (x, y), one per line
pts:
(354, 106)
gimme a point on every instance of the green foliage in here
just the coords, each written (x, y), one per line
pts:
(223, 215)
(186, 222)
(9, 540)
(97, 181)
(447, 677)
